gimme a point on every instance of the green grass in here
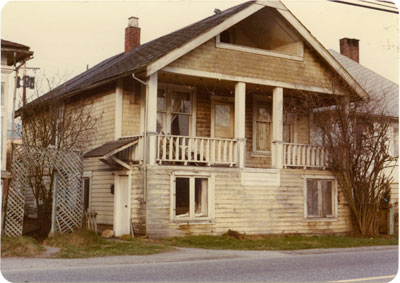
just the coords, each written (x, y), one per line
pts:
(20, 246)
(278, 242)
(83, 244)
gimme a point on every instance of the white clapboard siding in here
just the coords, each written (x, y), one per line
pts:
(260, 177)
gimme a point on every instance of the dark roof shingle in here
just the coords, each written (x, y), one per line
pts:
(137, 58)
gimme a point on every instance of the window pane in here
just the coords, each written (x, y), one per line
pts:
(222, 115)
(312, 197)
(263, 112)
(326, 191)
(263, 136)
(160, 122)
(2, 92)
(288, 121)
(86, 187)
(201, 196)
(180, 102)
(161, 101)
(182, 196)
(180, 125)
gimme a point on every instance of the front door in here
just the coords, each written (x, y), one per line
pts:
(121, 206)
(224, 119)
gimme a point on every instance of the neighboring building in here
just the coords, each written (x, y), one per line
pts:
(11, 54)
(382, 91)
(197, 133)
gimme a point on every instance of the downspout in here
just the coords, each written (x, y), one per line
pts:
(144, 139)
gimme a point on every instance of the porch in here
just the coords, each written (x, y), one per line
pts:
(191, 120)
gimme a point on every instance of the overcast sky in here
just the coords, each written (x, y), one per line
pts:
(66, 36)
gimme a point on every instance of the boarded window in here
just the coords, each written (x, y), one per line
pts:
(320, 199)
(263, 126)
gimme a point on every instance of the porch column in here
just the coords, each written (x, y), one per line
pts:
(240, 109)
(277, 127)
(151, 118)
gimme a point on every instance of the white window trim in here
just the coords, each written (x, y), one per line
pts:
(255, 152)
(259, 51)
(211, 198)
(333, 217)
(193, 106)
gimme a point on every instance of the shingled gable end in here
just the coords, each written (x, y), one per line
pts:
(192, 134)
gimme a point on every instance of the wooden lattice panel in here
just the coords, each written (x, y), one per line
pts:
(69, 167)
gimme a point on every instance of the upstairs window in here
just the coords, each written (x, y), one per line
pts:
(262, 125)
(175, 110)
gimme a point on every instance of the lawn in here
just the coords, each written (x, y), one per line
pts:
(278, 242)
(82, 244)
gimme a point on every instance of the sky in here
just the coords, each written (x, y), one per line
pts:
(68, 36)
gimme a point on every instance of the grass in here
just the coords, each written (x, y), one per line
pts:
(20, 246)
(83, 244)
(278, 242)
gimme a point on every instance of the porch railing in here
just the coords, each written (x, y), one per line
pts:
(304, 155)
(196, 150)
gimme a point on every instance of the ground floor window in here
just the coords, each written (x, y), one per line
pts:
(86, 192)
(320, 198)
(191, 197)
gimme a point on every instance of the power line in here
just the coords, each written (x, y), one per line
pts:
(393, 10)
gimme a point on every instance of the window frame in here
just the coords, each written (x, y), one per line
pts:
(263, 99)
(334, 215)
(87, 175)
(192, 218)
(167, 114)
(215, 99)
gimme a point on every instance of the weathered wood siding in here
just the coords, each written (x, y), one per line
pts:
(131, 108)
(207, 57)
(100, 103)
(100, 200)
(255, 201)
(138, 206)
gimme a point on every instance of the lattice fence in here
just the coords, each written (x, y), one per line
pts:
(27, 161)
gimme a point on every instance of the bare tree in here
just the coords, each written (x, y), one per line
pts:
(355, 133)
(60, 124)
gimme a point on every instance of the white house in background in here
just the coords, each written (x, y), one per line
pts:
(12, 54)
(379, 89)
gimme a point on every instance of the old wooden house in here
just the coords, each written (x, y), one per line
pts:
(197, 131)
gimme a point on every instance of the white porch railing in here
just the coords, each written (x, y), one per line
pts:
(208, 151)
(304, 155)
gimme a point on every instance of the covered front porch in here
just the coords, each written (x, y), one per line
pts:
(195, 120)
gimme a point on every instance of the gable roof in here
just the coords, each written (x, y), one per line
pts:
(110, 147)
(374, 84)
(138, 59)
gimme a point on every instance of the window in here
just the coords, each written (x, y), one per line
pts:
(3, 89)
(191, 198)
(320, 198)
(175, 111)
(396, 140)
(262, 126)
(288, 127)
(86, 192)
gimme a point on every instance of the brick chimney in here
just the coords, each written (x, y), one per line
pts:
(132, 34)
(349, 48)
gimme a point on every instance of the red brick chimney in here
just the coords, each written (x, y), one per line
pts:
(349, 48)
(132, 34)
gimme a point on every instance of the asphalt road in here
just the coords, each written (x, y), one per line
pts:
(193, 265)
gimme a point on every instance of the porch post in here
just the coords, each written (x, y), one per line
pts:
(151, 118)
(277, 127)
(240, 109)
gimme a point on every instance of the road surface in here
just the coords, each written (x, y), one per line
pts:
(375, 264)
